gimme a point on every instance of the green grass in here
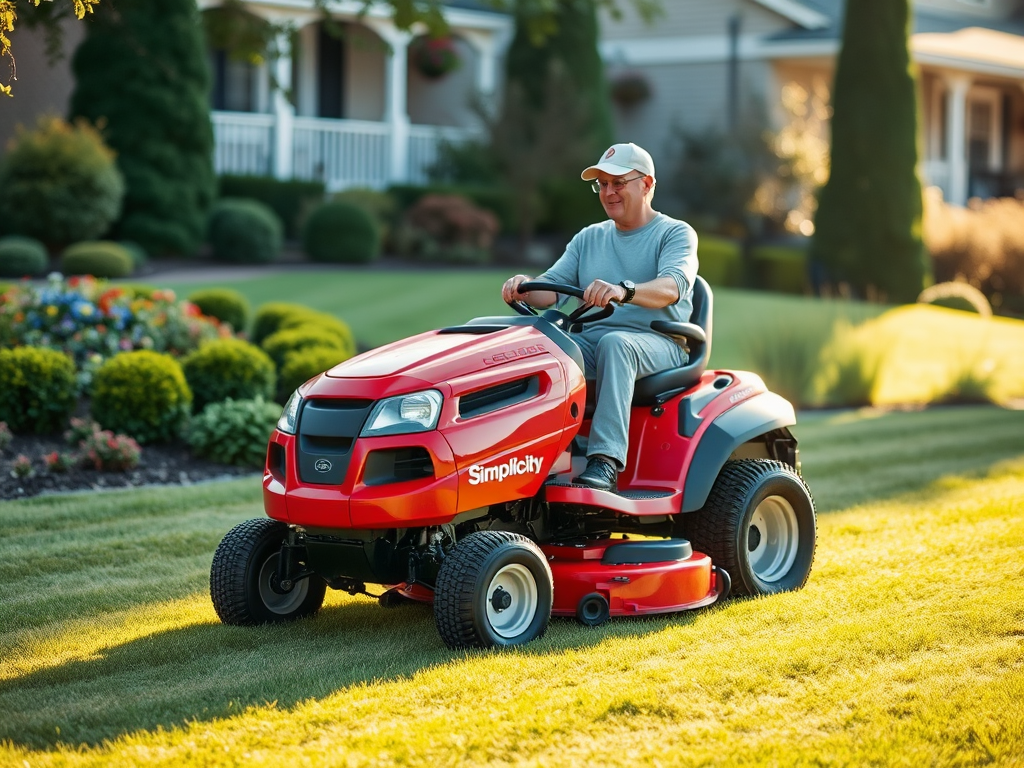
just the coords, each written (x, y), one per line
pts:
(905, 648)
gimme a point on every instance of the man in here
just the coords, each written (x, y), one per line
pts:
(644, 261)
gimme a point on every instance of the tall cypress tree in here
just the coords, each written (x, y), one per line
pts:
(868, 225)
(141, 74)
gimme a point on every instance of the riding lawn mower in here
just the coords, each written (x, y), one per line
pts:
(441, 468)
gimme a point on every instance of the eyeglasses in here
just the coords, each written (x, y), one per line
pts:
(616, 186)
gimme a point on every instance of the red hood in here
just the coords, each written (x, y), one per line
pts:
(440, 357)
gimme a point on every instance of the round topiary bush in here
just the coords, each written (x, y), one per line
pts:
(142, 394)
(99, 258)
(281, 343)
(59, 183)
(38, 389)
(22, 256)
(226, 368)
(139, 256)
(323, 322)
(270, 316)
(234, 431)
(342, 233)
(243, 230)
(225, 304)
(302, 365)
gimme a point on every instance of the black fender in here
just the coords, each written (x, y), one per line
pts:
(757, 416)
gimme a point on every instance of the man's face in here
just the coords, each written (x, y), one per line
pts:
(622, 196)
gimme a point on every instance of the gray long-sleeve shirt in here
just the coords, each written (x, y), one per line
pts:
(664, 247)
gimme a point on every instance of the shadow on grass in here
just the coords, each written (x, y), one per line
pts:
(208, 672)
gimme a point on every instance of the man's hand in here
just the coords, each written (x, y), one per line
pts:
(601, 294)
(510, 290)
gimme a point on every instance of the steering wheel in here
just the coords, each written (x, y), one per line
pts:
(579, 316)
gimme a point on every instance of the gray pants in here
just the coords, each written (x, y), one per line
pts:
(617, 359)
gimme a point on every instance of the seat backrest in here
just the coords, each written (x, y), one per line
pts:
(649, 388)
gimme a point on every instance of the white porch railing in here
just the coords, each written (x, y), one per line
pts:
(243, 143)
(341, 153)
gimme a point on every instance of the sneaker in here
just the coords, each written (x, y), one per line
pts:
(600, 474)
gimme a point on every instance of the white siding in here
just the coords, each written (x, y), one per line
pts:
(364, 74)
(445, 101)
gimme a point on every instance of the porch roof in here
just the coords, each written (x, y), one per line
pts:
(974, 49)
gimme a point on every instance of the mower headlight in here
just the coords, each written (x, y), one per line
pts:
(289, 421)
(416, 412)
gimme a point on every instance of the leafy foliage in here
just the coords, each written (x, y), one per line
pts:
(22, 256)
(59, 183)
(39, 389)
(339, 232)
(868, 224)
(99, 258)
(279, 344)
(8, 16)
(228, 368)
(290, 199)
(452, 229)
(234, 431)
(108, 452)
(271, 315)
(143, 394)
(246, 231)
(321, 321)
(302, 365)
(142, 67)
(226, 304)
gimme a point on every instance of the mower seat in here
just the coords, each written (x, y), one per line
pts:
(660, 386)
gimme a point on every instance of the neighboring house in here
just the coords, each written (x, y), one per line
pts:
(707, 61)
(361, 113)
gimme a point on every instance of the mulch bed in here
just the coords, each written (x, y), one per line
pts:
(159, 464)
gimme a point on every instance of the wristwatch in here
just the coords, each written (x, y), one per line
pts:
(630, 287)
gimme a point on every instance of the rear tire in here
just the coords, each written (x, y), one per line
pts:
(493, 588)
(242, 578)
(759, 525)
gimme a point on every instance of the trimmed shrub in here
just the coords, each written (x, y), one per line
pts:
(228, 368)
(456, 224)
(270, 316)
(99, 258)
(107, 452)
(39, 389)
(59, 183)
(281, 343)
(341, 233)
(290, 200)
(142, 394)
(382, 206)
(781, 268)
(245, 231)
(721, 261)
(322, 321)
(234, 431)
(22, 256)
(302, 365)
(225, 304)
(495, 199)
(139, 290)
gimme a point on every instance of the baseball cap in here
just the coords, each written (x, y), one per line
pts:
(620, 159)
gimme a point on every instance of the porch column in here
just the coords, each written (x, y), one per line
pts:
(284, 110)
(396, 102)
(956, 136)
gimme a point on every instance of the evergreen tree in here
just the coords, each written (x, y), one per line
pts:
(868, 224)
(141, 74)
(556, 118)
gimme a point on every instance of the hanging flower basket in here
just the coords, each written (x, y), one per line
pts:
(435, 57)
(630, 88)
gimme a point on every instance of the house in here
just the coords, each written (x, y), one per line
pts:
(350, 110)
(705, 61)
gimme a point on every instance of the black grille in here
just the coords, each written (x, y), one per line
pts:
(397, 465)
(327, 429)
(491, 399)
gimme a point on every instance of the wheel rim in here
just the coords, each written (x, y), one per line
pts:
(281, 603)
(511, 600)
(772, 539)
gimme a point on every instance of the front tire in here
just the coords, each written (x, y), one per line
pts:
(759, 525)
(493, 588)
(243, 584)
